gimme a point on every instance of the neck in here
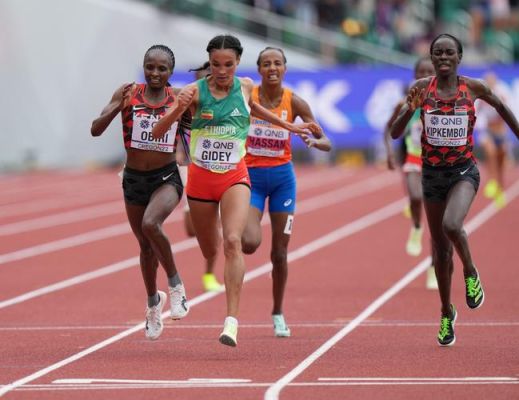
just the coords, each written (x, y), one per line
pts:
(271, 94)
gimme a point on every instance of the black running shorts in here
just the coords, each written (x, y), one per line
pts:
(138, 186)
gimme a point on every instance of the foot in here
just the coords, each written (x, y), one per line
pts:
(446, 335)
(210, 283)
(230, 332)
(431, 282)
(490, 189)
(179, 305)
(474, 293)
(500, 198)
(280, 327)
(154, 326)
(414, 243)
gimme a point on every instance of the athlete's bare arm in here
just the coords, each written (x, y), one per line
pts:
(187, 98)
(119, 100)
(319, 140)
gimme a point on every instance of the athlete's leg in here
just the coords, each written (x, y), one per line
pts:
(459, 200)
(414, 189)
(148, 261)
(205, 222)
(281, 231)
(251, 238)
(441, 253)
(234, 209)
(162, 202)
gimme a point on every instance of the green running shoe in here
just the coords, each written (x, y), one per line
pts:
(446, 335)
(474, 291)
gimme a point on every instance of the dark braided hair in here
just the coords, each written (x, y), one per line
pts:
(225, 42)
(203, 67)
(166, 50)
(449, 36)
(258, 61)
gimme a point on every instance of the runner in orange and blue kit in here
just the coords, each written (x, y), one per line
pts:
(151, 181)
(269, 161)
(450, 176)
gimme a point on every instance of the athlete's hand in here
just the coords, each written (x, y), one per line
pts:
(128, 92)
(308, 139)
(186, 96)
(414, 98)
(306, 128)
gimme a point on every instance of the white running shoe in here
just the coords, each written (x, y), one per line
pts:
(230, 332)
(154, 325)
(280, 327)
(179, 305)
(414, 243)
(431, 282)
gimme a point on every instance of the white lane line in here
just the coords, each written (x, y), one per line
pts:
(121, 384)
(209, 381)
(316, 325)
(334, 236)
(420, 379)
(333, 197)
(479, 219)
(68, 217)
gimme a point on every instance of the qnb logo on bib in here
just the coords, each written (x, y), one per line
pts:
(446, 130)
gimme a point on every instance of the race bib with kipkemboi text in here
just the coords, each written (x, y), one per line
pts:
(446, 130)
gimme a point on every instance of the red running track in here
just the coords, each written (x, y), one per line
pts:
(363, 324)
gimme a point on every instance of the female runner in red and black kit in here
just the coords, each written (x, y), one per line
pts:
(151, 181)
(450, 177)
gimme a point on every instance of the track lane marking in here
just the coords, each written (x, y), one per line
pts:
(311, 204)
(346, 230)
(479, 219)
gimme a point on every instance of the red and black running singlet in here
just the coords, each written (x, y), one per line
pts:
(448, 125)
(139, 117)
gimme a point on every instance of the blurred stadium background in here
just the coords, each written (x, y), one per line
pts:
(61, 60)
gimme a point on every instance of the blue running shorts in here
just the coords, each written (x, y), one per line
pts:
(278, 184)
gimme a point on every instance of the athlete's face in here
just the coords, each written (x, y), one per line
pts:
(157, 68)
(272, 67)
(223, 66)
(445, 56)
(424, 69)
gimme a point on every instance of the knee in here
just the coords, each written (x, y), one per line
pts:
(442, 254)
(146, 249)
(150, 227)
(452, 229)
(279, 258)
(232, 245)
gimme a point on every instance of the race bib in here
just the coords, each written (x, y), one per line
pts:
(217, 154)
(446, 130)
(143, 139)
(267, 140)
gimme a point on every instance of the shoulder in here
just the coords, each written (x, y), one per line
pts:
(246, 83)
(422, 83)
(477, 86)
(297, 101)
